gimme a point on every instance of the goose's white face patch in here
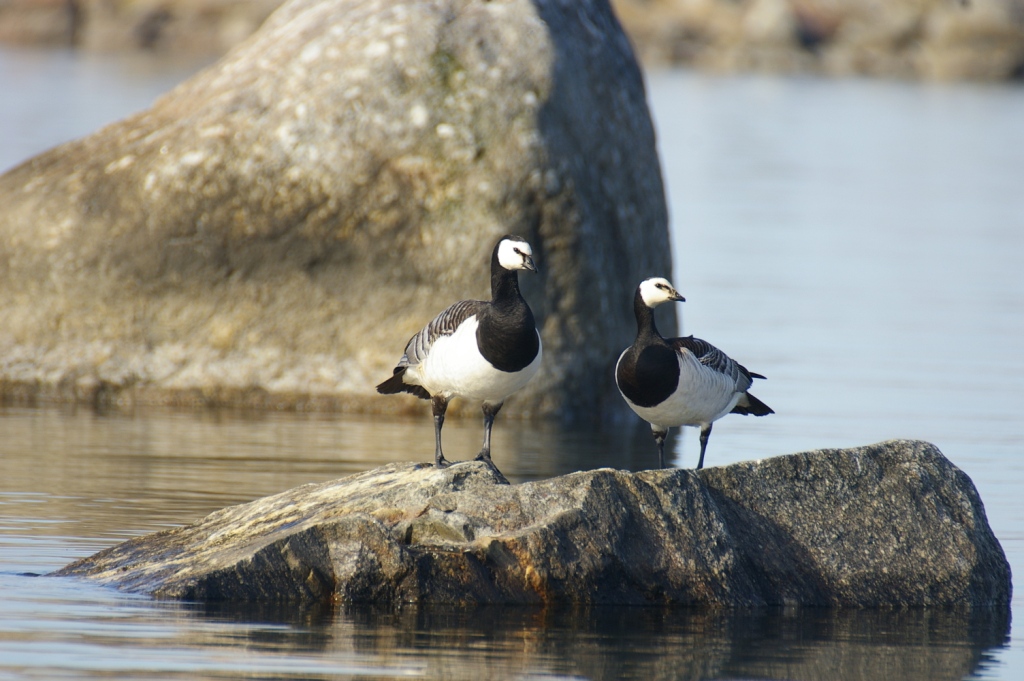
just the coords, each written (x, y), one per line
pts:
(514, 255)
(656, 290)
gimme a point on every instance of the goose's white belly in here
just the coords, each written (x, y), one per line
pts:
(455, 367)
(703, 396)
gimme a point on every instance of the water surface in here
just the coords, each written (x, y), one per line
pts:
(855, 241)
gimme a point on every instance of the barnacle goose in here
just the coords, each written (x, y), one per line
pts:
(679, 381)
(476, 349)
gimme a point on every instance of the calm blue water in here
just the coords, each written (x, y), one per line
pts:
(855, 241)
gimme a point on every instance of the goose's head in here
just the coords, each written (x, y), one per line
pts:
(656, 290)
(515, 254)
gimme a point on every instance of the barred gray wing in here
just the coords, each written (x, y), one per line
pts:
(444, 324)
(713, 358)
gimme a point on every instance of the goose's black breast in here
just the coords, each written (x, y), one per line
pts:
(508, 341)
(648, 375)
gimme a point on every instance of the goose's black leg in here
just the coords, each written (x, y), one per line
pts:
(705, 432)
(439, 406)
(659, 439)
(490, 411)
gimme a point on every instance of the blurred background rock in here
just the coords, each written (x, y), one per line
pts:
(272, 231)
(926, 39)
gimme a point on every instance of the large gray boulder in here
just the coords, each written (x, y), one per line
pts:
(273, 230)
(889, 525)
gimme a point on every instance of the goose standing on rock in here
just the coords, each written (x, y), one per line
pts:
(476, 349)
(679, 381)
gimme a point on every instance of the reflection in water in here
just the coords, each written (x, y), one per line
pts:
(640, 643)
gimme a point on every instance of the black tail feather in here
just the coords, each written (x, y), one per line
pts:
(752, 406)
(395, 384)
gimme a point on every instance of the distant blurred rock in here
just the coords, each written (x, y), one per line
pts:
(39, 22)
(273, 230)
(888, 525)
(933, 39)
(193, 26)
(930, 39)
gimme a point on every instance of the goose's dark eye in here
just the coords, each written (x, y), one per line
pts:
(517, 251)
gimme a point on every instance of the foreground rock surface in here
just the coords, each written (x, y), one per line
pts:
(272, 231)
(888, 525)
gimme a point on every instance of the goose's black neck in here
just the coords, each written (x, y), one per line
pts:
(504, 284)
(507, 332)
(648, 371)
(645, 326)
